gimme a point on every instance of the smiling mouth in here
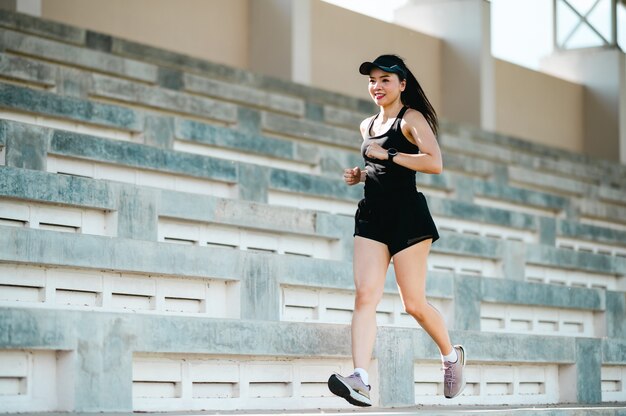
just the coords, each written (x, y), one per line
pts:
(379, 96)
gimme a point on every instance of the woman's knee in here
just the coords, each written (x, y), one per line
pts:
(417, 308)
(367, 297)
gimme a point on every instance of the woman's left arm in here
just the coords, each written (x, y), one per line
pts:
(415, 127)
(428, 160)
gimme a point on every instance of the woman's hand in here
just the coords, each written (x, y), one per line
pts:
(352, 176)
(375, 151)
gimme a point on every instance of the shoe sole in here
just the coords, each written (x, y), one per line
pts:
(462, 358)
(339, 388)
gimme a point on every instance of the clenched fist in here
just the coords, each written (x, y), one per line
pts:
(352, 176)
(375, 151)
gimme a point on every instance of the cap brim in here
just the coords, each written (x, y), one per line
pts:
(366, 68)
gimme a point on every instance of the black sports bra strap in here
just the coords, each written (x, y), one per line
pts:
(369, 128)
(400, 115)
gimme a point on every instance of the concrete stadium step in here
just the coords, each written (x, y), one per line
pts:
(308, 130)
(511, 151)
(28, 47)
(21, 98)
(296, 288)
(158, 347)
(62, 144)
(561, 410)
(570, 235)
(458, 216)
(609, 269)
(497, 306)
(594, 263)
(601, 173)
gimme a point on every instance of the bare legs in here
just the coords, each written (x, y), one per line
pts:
(371, 260)
(370, 263)
(410, 266)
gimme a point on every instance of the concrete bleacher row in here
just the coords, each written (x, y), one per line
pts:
(159, 284)
(189, 222)
(156, 160)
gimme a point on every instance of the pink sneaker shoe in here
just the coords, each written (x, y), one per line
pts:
(350, 388)
(453, 378)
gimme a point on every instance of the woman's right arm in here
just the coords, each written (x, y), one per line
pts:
(356, 175)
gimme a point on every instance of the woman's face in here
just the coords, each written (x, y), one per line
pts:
(385, 87)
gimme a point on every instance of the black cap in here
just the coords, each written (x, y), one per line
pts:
(384, 62)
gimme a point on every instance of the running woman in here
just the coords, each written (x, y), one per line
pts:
(393, 222)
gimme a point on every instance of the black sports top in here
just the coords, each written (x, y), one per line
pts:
(384, 176)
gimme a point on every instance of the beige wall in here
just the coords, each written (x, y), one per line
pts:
(601, 71)
(210, 29)
(341, 40)
(271, 24)
(466, 62)
(539, 107)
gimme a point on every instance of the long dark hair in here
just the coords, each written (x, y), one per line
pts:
(413, 95)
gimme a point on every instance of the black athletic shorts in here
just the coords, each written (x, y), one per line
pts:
(398, 222)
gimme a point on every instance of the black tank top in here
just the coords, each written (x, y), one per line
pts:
(384, 178)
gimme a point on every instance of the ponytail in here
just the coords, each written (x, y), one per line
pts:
(414, 97)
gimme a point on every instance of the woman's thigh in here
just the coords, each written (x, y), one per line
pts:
(370, 264)
(411, 266)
